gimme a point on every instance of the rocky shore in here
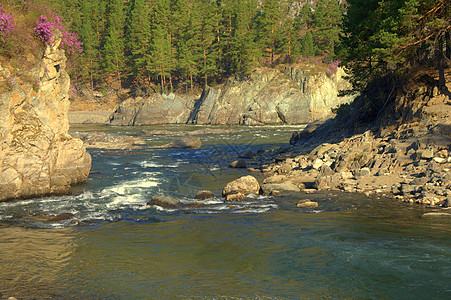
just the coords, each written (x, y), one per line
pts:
(409, 161)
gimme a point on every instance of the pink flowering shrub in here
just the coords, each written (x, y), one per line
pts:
(333, 66)
(43, 30)
(6, 23)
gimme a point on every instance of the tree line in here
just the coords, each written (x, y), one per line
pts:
(159, 45)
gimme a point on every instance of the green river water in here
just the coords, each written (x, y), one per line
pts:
(117, 247)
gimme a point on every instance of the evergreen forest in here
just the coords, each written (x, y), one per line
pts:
(184, 45)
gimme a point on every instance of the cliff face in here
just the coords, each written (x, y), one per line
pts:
(288, 95)
(37, 156)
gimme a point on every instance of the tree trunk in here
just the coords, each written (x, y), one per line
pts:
(440, 65)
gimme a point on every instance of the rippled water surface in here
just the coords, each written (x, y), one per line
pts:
(114, 246)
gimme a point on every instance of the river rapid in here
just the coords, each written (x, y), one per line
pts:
(112, 245)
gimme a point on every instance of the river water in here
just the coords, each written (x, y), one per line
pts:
(117, 247)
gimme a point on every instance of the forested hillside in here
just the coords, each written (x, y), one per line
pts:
(167, 44)
(162, 45)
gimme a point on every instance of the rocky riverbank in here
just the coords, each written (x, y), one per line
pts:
(410, 160)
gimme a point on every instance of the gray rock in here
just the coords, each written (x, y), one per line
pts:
(246, 154)
(407, 189)
(288, 95)
(165, 202)
(362, 173)
(239, 164)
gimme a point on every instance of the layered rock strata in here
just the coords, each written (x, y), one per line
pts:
(37, 155)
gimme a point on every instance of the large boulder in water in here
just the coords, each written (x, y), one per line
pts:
(245, 185)
(37, 155)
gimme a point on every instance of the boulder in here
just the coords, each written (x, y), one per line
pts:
(245, 185)
(307, 204)
(203, 195)
(165, 202)
(37, 155)
(239, 164)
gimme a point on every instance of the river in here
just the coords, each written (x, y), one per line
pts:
(117, 247)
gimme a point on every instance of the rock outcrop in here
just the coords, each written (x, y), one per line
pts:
(287, 95)
(37, 156)
(157, 109)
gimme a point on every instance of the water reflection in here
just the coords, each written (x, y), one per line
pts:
(31, 261)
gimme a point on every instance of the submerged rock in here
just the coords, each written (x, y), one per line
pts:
(203, 195)
(164, 201)
(307, 204)
(102, 140)
(239, 164)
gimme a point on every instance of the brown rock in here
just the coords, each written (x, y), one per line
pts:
(205, 194)
(307, 204)
(235, 197)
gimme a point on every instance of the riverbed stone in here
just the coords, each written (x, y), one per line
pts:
(245, 185)
(248, 153)
(307, 204)
(238, 164)
(204, 194)
(235, 197)
(164, 201)
(189, 142)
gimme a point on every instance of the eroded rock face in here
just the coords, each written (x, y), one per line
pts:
(37, 156)
(287, 95)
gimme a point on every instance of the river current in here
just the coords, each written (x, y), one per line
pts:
(114, 246)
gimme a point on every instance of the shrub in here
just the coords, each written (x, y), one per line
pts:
(6, 23)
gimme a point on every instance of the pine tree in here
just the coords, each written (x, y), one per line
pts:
(113, 49)
(269, 27)
(327, 25)
(139, 38)
(307, 46)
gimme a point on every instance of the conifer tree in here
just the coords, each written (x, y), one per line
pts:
(307, 46)
(139, 38)
(113, 49)
(327, 25)
(269, 25)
